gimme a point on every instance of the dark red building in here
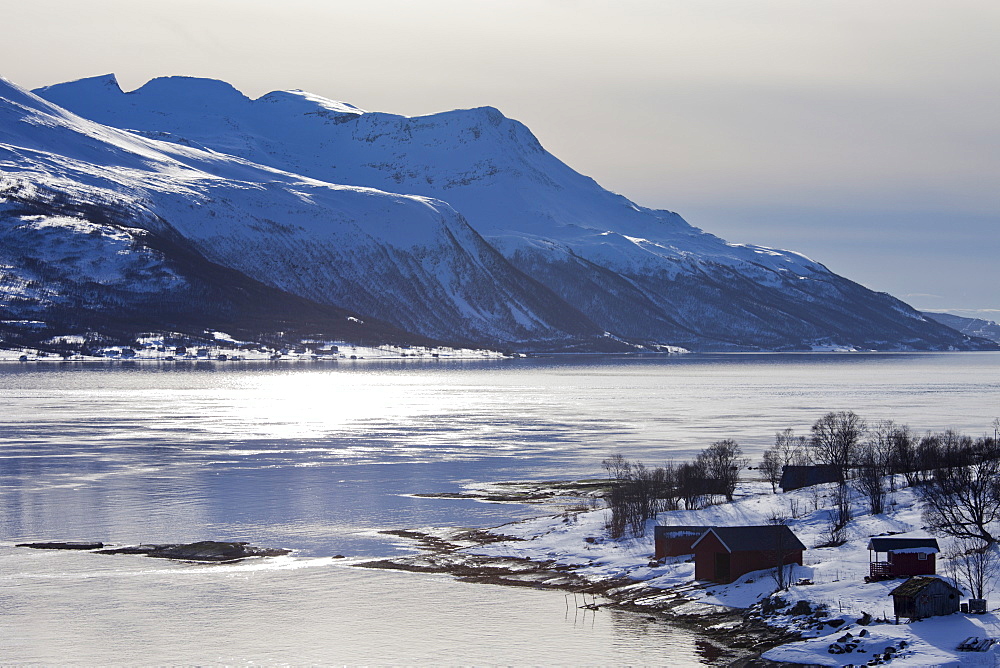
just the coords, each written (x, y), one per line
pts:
(723, 554)
(903, 557)
(675, 541)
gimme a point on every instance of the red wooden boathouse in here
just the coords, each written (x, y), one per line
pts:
(723, 554)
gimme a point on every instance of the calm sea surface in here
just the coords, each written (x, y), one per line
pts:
(321, 457)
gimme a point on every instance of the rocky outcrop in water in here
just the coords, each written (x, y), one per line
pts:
(59, 545)
(206, 550)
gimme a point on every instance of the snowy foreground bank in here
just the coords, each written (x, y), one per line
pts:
(825, 610)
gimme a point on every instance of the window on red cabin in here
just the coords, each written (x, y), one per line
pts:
(922, 556)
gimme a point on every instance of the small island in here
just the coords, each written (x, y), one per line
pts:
(205, 550)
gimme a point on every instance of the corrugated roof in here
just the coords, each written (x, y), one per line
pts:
(892, 543)
(754, 538)
(669, 532)
(916, 584)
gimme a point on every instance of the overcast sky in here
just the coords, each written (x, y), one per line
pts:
(863, 133)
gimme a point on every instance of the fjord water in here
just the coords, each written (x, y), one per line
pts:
(320, 457)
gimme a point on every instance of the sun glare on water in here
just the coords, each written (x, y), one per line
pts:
(316, 405)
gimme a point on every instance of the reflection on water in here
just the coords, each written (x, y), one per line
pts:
(98, 610)
(322, 457)
(707, 651)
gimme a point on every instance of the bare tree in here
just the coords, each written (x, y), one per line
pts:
(691, 484)
(788, 450)
(842, 497)
(902, 454)
(792, 449)
(722, 462)
(945, 450)
(929, 457)
(782, 572)
(963, 501)
(836, 438)
(839, 517)
(986, 448)
(871, 482)
(669, 495)
(617, 466)
(637, 493)
(771, 466)
(879, 448)
(873, 465)
(974, 565)
(642, 498)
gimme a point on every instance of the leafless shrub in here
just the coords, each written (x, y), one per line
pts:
(838, 518)
(636, 494)
(974, 565)
(794, 507)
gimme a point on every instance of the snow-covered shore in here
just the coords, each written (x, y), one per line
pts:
(232, 351)
(825, 608)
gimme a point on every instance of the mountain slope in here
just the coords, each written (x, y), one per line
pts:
(979, 327)
(639, 273)
(411, 261)
(72, 268)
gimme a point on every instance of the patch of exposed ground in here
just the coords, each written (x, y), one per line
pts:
(540, 492)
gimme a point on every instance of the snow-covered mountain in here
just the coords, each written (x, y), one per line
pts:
(456, 225)
(89, 195)
(978, 327)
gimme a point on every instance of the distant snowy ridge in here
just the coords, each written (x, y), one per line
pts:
(978, 327)
(456, 226)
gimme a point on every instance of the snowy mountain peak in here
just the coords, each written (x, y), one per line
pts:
(304, 102)
(191, 94)
(193, 91)
(101, 85)
(183, 95)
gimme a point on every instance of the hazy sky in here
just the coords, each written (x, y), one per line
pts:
(863, 133)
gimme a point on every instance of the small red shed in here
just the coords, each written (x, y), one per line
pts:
(723, 554)
(675, 541)
(904, 557)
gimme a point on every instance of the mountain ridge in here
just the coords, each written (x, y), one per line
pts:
(514, 247)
